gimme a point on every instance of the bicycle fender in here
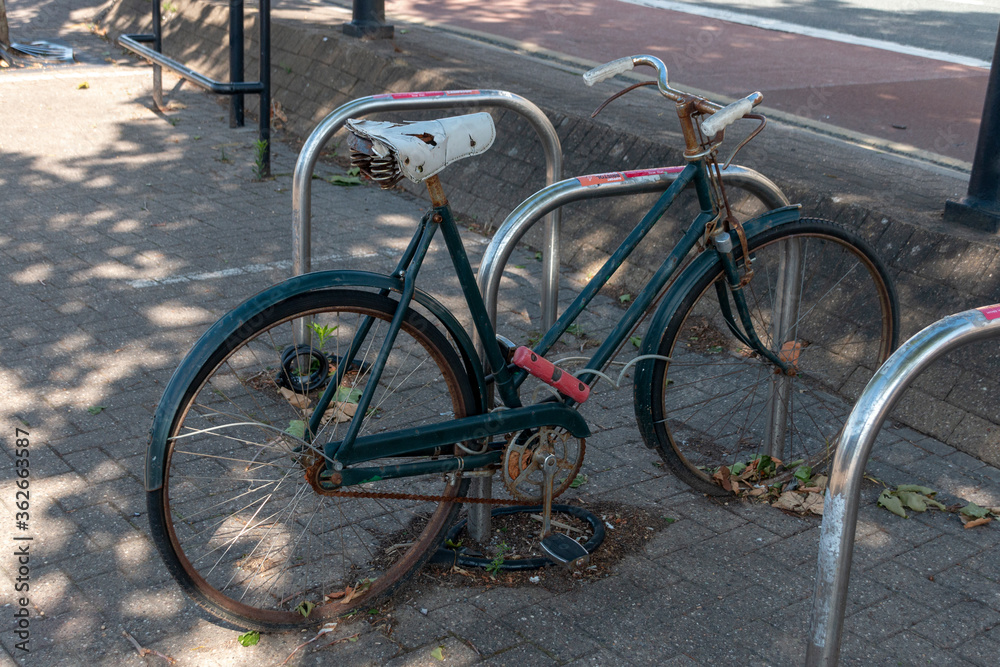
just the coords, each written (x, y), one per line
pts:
(671, 301)
(243, 315)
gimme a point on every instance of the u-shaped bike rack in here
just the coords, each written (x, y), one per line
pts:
(440, 99)
(840, 515)
(596, 186)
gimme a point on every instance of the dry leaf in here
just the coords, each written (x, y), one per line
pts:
(813, 503)
(978, 522)
(348, 595)
(789, 500)
(300, 401)
(339, 412)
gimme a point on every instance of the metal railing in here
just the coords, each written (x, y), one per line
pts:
(840, 509)
(236, 86)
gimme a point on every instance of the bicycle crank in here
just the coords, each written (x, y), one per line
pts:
(522, 466)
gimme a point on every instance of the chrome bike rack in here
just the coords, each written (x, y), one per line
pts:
(612, 184)
(548, 201)
(441, 99)
(840, 516)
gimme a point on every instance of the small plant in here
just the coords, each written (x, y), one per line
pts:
(322, 332)
(498, 560)
(173, 121)
(169, 7)
(305, 608)
(250, 638)
(223, 157)
(636, 341)
(624, 298)
(576, 330)
(260, 166)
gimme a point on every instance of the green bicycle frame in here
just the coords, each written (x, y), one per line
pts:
(352, 449)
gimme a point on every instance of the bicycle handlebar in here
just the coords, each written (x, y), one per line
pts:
(721, 117)
(729, 114)
(608, 70)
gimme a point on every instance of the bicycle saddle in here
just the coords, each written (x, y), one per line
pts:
(387, 151)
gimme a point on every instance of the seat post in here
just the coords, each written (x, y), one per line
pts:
(436, 192)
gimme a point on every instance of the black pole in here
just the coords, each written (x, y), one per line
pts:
(368, 20)
(158, 47)
(265, 93)
(236, 60)
(981, 207)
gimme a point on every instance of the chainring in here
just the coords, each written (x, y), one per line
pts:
(522, 462)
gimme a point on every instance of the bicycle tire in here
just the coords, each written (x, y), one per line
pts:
(236, 521)
(710, 404)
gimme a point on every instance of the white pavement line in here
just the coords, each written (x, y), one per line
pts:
(794, 28)
(70, 72)
(237, 271)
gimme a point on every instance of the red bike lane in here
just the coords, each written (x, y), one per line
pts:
(927, 104)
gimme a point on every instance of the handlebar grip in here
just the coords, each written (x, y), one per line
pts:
(729, 114)
(608, 70)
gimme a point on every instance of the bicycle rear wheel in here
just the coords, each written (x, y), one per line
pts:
(237, 521)
(819, 298)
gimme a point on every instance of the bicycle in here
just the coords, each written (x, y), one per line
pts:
(295, 478)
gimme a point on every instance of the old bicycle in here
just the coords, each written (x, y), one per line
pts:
(291, 481)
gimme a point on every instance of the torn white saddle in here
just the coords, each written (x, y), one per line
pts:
(419, 149)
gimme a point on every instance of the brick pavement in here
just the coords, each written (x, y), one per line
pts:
(128, 232)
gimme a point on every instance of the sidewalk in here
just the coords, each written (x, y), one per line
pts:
(128, 232)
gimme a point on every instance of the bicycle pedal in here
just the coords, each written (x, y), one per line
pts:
(543, 369)
(564, 550)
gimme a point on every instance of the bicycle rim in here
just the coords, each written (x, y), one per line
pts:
(238, 523)
(718, 404)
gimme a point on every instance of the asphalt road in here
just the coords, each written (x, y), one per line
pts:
(961, 27)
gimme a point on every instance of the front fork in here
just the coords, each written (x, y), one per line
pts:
(783, 334)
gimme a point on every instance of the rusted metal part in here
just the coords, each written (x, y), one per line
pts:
(383, 170)
(436, 192)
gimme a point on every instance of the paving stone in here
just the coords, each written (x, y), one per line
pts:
(452, 651)
(723, 583)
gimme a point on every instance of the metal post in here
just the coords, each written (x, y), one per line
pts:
(158, 47)
(368, 20)
(840, 508)
(981, 207)
(236, 60)
(264, 131)
(790, 264)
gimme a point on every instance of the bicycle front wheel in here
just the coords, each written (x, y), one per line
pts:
(819, 299)
(238, 522)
